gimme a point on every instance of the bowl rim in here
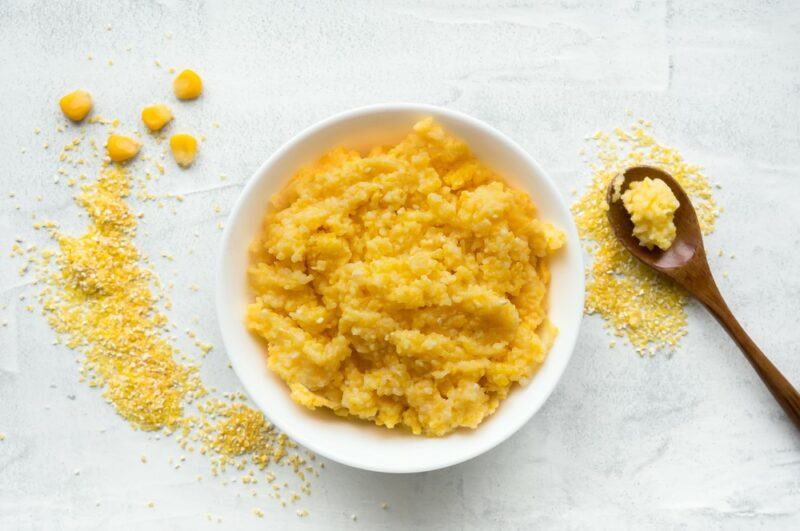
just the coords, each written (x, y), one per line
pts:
(263, 172)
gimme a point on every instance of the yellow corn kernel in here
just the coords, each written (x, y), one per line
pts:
(76, 105)
(184, 148)
(121, 148)
(156, 116)
(187, 85)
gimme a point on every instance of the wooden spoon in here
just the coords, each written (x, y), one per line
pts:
(685, 262)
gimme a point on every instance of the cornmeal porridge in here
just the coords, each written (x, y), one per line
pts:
(652, 206)
(405, 287)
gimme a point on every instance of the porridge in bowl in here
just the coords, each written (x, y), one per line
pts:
(407, 287)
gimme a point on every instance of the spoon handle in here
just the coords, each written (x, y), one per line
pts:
(778, 385)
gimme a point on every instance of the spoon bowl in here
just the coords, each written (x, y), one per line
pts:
(688, 244)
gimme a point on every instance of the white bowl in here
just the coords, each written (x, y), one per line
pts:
(360, 444)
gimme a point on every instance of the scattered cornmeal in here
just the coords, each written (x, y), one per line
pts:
(155, 117)
(76, 105)
(100, 298)
(184, 148)
(638, 302)
(406, 287)
(187, 85)
(652, 206)
(122, 148)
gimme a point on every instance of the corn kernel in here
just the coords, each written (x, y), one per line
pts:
(76, 105)
(156, 116)
(187, 85)
(121, 148)
(184, 148)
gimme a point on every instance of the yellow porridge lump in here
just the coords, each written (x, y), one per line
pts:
(652, 205)
(407, 287)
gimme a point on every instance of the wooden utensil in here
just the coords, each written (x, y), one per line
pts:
(685, 262)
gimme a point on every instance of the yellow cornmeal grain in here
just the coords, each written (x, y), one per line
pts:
(99, 296)
(406, 287)
(101, 299)
(634, 299)
(652, 205)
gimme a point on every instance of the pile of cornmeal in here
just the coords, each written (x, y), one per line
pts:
(406, 287)
(638, 303)
(102, 296)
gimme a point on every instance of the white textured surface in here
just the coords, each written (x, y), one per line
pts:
(692, 441)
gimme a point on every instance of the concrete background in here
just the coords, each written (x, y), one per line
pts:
(693, 441)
